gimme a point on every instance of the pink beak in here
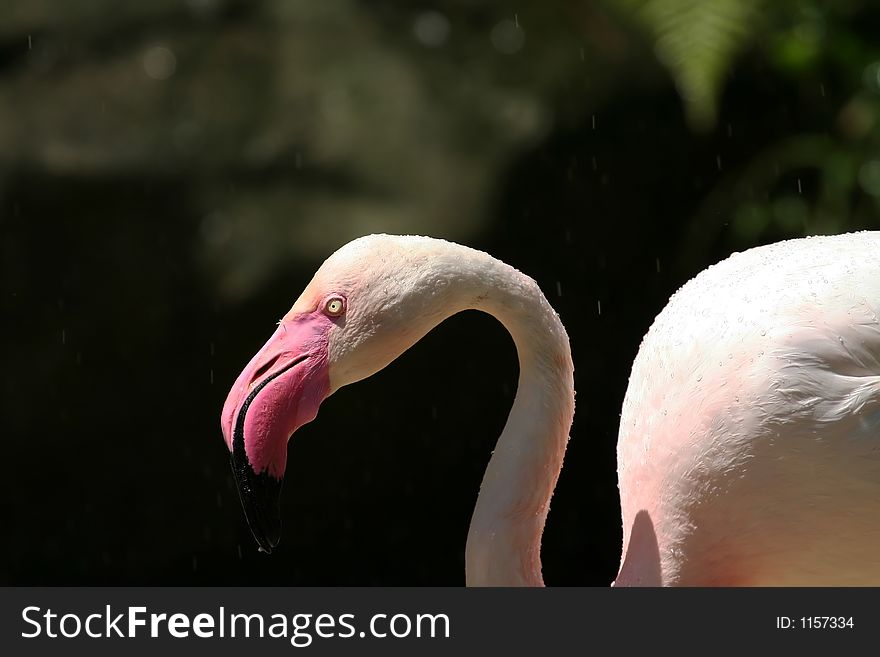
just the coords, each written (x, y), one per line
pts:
(279, 391)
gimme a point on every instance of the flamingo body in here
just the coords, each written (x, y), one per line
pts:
(750, 433)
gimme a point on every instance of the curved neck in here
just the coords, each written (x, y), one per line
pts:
(504, 540)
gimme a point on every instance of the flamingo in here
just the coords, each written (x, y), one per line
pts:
(749, 442)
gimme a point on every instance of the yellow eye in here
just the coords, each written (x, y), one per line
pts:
(334, 306)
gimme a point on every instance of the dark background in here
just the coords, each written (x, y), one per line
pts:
(172, 173)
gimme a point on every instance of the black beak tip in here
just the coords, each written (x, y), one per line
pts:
(260, 496)
(266, 531)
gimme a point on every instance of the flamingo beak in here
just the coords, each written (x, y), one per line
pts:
(279, 391)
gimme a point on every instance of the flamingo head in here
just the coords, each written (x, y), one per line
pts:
(360, 311)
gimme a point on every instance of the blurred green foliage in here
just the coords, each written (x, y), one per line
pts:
(821, 180)
(697, 41)
(299, 125)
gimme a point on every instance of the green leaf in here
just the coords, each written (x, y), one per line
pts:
(697, 41)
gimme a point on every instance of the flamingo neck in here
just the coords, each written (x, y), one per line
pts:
(504, 540)
(433, 280)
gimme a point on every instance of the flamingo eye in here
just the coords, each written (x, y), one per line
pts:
(334, 306)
